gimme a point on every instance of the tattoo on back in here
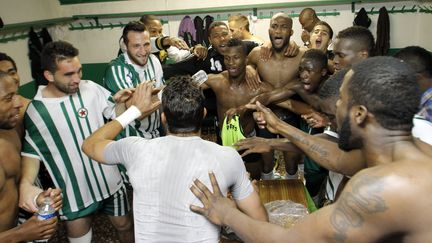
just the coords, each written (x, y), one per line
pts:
(365, 198)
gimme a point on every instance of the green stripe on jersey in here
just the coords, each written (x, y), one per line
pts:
(77, 146)
(46, 117)
(98, 164)
(38, 140)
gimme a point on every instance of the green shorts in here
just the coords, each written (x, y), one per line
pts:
(115, 205)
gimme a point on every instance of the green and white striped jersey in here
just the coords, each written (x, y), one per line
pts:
(55, 131)
(122, 73)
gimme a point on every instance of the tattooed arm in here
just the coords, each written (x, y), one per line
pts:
(362, 214)
(319, 148)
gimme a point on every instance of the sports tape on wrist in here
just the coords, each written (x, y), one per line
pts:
(128, 116)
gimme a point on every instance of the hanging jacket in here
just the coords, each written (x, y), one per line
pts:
(187, 31)
(207, 22)
(199, 27)
(35, 49)
(383, 33)
(362, 19)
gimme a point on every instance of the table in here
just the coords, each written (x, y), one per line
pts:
(271, 190)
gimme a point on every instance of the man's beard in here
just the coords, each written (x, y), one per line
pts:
(283, 46)
(346, 141)
(65, 88)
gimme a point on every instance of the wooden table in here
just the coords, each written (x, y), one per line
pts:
(271, 190)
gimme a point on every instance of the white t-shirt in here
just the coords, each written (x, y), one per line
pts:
(161, 171)
(422, 129)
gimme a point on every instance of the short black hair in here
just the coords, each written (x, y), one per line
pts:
(388, 88)
(234, 42)
(216, 24)
(361, 36)
(55, 52)
(5, 57)
(183, 105)
(418, 58)
(326, 25)
(318, 57)
(136, 26)
(330, 87)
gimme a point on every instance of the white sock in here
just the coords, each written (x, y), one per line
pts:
(291, 177)
(83, 239)
(267, 176)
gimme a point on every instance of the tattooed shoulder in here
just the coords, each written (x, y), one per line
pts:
(364, 198)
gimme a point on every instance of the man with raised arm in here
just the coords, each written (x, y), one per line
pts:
(161, 195)
(371, 208)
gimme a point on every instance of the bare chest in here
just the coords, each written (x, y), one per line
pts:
(10, 159)
(278, 73)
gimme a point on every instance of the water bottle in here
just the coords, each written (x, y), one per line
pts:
(200, 77)
(45, 211)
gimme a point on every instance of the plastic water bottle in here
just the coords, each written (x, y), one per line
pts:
(200, 77)
(45, 211)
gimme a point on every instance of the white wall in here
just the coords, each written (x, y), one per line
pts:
(100, 46)
(19, 11)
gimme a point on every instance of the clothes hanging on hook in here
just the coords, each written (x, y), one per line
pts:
(36, 43)
(383, 33)
(207, 22)
(199, 26)
(187, 31)
(362, 19)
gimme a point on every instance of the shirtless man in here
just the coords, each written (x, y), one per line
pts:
(10, 171)
(230, 86)
(8, 65)
(232, 91)
(278, 71)
(371, 207)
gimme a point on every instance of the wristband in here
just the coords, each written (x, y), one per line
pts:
(128, 116)
(164, 47)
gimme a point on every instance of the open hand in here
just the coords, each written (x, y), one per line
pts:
(252, 78)
(200, 51)
(177, 42)
(316, 120)
(292, 50)
(123, 95)
(145, 99)
(216, 206)
(253, 145)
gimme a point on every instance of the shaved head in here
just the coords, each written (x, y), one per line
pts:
(308, 19)
(282, 15)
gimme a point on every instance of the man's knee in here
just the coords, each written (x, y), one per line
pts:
(78, 227)
(122, 223)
